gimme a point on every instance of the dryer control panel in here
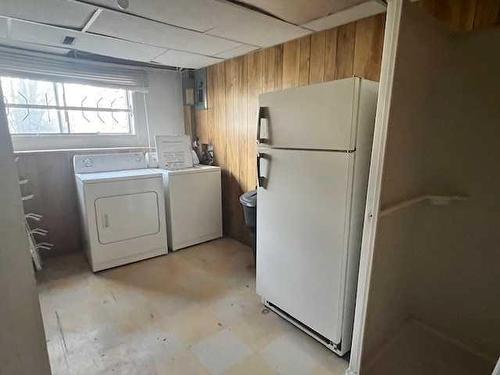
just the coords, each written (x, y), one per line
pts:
(109, 162)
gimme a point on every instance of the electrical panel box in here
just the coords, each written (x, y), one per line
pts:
(200, 89)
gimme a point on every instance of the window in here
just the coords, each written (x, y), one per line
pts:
(44, 107)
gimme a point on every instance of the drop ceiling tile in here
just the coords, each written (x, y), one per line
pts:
(185, 59)
(196, 15)
(238, 51)
(55, 12)
(135, 29)
(343, 17)
(251, 27)
(300, 11)
(118, 48)
(29, 32)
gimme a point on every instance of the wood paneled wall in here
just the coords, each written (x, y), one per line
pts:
(234, 86)
(464, 15)
(353, 49)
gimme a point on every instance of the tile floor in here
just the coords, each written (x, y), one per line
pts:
(190, 312)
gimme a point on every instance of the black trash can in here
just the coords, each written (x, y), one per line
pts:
(249, 202)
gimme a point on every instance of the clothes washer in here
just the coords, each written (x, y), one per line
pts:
(193, 205)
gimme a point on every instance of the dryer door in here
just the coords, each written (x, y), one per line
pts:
(128, 216)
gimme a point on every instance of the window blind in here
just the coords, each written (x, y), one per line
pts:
(19, 63)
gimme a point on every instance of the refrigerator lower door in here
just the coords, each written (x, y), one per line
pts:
(302, 232)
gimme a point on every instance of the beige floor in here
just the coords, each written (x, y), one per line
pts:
(191, 312)
(419, 350)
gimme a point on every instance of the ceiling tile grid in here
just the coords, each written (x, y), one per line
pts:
(30, 32)
(64, 13)
(238, 51)
(185, 59)
(251, 27)
(197, 15)
(299, 11)
(180, 33)
(135, 29)
(366, 9)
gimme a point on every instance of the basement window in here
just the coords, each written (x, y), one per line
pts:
(37, 107)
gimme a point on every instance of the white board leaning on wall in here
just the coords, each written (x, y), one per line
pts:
(174, 152)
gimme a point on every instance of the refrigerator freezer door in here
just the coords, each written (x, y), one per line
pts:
(302, 231)
(321, 116)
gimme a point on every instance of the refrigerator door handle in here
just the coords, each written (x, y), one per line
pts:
(263, 111)
(261, 180)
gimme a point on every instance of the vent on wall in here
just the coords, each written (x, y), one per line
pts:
(68, 40)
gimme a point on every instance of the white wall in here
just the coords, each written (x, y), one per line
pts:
(421, 45)
(22, 340)
(440, 264)
(164, 112)
(164, 103)
(456, 277)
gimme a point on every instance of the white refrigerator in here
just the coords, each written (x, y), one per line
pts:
(314, 148)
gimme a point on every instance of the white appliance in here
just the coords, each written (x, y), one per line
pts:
(193, 205)
(313, 161)
(122, 208)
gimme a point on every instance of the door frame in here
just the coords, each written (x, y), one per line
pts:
(391, 37)
(496, 370)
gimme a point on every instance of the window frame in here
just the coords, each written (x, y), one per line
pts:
(85, 141)
(59, 89)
